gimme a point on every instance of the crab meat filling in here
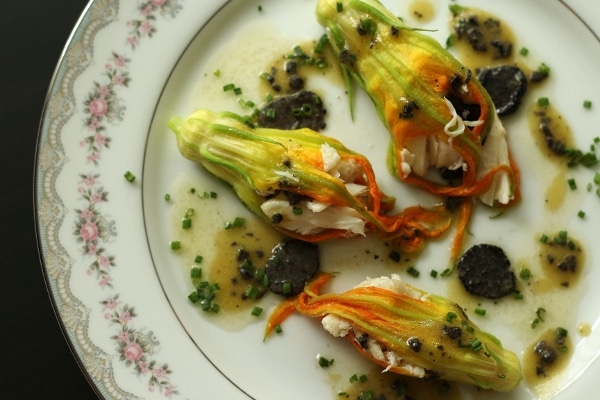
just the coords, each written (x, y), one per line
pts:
(340, 327)
(311, 216)
(424, 152)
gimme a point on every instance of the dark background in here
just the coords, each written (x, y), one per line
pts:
(35, 359)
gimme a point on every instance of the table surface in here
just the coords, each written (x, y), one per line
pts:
(36, 360)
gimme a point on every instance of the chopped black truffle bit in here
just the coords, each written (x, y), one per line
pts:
(506, 85)
(414, 344)
(546, 353)
(299, 110)
(483, 36)
(484, 270)
(291, 265)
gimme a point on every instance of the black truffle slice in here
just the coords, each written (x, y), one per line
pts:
(291, 265)
(299, 110)
(484, 270)
(506, 85)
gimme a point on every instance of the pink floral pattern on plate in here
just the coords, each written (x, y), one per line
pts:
(145, 26)
(134, 347)
(94, 230)
(102, 106)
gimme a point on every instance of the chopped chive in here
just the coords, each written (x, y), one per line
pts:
(195, 272)
(167, 197)
(228, 87)
(297, 211)
(455, 9)
(306, 109)
(286, 287)
(246, 103)
(581, 214)
(353, 378)
(412, 271)
(175, 245)
(186, 223)
(468, 327)
(433, 273)
(572, 184)
(214, 308)
(561, 237)
(237, 91)
(587, 104)
(270, 113)
(450, 316)
(543, 102)
(193, 297)
(366, 395)
(238, 222)
(525, 273)
(246, 268)
(251, 292)
(544, 69)
(480, 311)
(192, 190)
(129, 176)
(259, 8)
(278, 328)
(320, 46)
(324, 362)
(213, 195)
(561, 332)
(475, 345)
(563, 349)
(518, 296)
(450, 40)
(540, 312)
(362, 378)
(339, 6)
(256, 311)
(205, 305)
(217, 72)
(524, 51)
(597, 178)
(198, 259)
(446, 272)
(368, 26)
(544, 238)
(259, 274)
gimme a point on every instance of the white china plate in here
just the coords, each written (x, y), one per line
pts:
(120, 292)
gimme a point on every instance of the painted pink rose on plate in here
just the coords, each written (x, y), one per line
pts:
(98, 107)
(89, 231)
(133, 351)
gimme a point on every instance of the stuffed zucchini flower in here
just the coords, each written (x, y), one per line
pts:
(409, 332)
(307, 185)
(438, 115)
